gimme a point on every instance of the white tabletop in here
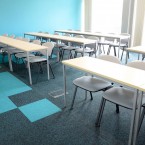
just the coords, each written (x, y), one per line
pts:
(112, 35)
(137, 49)
(118, 73)
(19, 44)
(60, 37)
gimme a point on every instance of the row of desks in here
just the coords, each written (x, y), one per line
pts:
(98, 34)
(24, 46)
(119, 37)
(124, 75)
(120, 74)
(82, 41)
(29, 47)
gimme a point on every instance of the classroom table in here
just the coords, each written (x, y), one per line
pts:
(97, 34)
(24, 46)
(82, 41)
(122, 74)
(136, 49)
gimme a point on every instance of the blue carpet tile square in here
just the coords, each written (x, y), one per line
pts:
(39, 109)
(10, 85)
(6, 105)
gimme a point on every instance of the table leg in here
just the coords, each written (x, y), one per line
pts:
(48, 72)
(133, 119)
(64, 79)
(83, 49)
(10, 61)
(138, 56)
(126, 59)
(138, 111)
(119, 47)
(29, 70)
(96, 44)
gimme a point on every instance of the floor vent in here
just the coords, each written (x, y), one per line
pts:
(57, 93)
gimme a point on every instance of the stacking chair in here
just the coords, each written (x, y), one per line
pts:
(73, 46)
(13, 50)
(90, 48)
(24, 54)
(120, 95)
(91, 83)
(1, 44)
(44, 39)
(42, 58)
(105, 41)
(12, 36)
(61, 44)
(2, 48)
(123, 45)
(55, 41)
(10, 50)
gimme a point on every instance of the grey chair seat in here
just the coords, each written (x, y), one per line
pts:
(68, 48)
(36, 59)
(122, 96)
(14, 51)
(91, 84)
(86, 50)
(117, 44)
(23, 55)
(104, 42)
(60, 45)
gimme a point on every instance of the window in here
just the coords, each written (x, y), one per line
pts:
(106, 16)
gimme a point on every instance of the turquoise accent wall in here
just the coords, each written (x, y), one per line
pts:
(19, 16)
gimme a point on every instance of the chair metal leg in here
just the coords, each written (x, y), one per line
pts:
(122, 54)
(103, 49)
(85, 94)
(91, 95)
(117, 108)
(108, 52)
(39, 71)
(69, 57)
(74, 96)
(52, 72)
(100, 113)
(62, 54)
(141, 119)
(75, 55)
(114, 51)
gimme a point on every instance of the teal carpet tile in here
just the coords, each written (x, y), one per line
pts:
(10, 85)
(6, 105)
(39, 109)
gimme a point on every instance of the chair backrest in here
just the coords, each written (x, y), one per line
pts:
(55, 33)
(26, 39)
(46, 32)
(93, 38)
(125, 41)
(12, 36)
(63, 41)
(92, 45)
(5, 35)
(110, 58)
(19, 38)
(67, 34)
(50, 46)
(36, 42)
(137, 64)
(79, 36)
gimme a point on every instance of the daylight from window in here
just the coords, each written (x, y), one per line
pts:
(107, 16)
